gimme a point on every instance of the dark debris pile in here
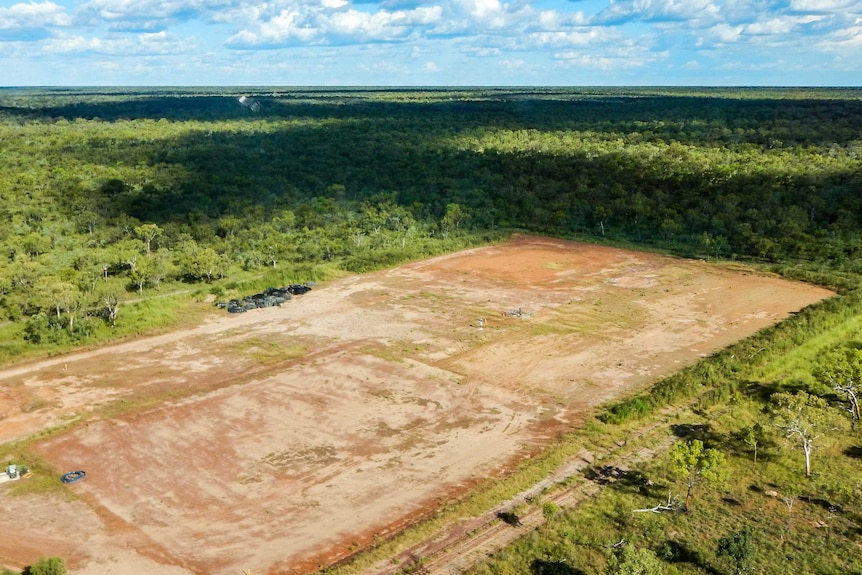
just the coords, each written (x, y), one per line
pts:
(270, 297)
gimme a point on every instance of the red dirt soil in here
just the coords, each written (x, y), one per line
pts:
(287, 438)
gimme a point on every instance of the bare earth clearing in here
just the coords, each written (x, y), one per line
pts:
(287, 438)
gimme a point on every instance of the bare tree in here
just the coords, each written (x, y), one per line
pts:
(804, 418)
(672, 504)
(109, 304)
(842, 371)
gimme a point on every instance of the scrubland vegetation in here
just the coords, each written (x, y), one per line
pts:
(122, 209)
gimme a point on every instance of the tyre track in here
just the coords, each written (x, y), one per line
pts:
(462, 544)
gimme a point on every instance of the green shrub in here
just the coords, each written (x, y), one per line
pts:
(48, 566)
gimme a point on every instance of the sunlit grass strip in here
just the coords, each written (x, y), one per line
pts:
(797, 362)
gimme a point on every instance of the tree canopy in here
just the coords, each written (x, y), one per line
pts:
(141, 188)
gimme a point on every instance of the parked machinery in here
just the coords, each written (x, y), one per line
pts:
(14, 472)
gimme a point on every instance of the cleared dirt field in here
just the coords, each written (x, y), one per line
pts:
(284, 439)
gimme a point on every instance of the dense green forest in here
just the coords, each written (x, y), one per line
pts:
(111, 195)
(120, 206)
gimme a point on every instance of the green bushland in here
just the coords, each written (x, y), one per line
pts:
(136, 193)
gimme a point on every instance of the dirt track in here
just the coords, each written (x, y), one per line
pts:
(284, 439)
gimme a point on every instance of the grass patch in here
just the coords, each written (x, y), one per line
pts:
(43, 479)
(267, 351)
(395, 351)
(796, 363)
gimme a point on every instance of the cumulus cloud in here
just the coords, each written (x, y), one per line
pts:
(284, 27)
(492, 34)
(825, 6)
(788, 29)
(382, 25)
(154, 9)
(160, 43)
(33, 14)
(31, 21)
(330, 21)
(621, 11)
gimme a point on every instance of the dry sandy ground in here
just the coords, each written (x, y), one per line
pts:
(284, 439)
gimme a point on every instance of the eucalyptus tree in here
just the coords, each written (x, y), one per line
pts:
(804, 418)
(739, 547)
(842, 371)
(697, 464)
(147, 233)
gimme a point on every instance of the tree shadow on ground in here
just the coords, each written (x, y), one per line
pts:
(763, 391)
(542, 567)
(701, 431)
(509, 518)
(822, 503)
(679, 552)
(626, 480)
(854, 451)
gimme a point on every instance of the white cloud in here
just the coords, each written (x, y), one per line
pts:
(482, 51)
(774, 26)
(804, 31)
(327, 22)
(410, 37)
(604, 62)
(579, 37)
(380, 25)
(284, 27)
(32, 15)
(517, 64)
(721, 34)
(619, 11)
(160, 43)
(821, 6)
(154, 9)
(482, 10)
(845, 42)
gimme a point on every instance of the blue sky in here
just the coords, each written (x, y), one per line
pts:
(430, 42)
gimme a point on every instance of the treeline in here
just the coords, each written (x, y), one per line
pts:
(111, 192)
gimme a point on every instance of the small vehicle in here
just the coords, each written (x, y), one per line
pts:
(73, 476)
